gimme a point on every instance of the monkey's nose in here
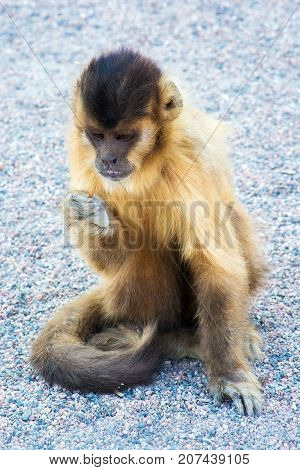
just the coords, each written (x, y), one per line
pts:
(110, 159)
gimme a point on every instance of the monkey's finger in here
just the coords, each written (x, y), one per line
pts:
(237, 402)
(73, 201)
(78, 198)
(257, 406)
(101, 219)
(79, 193)
(98, 200)
(80, 202)
(95, 201)
(248, 405)
(86, 197)
(98, 215)
(84, 200)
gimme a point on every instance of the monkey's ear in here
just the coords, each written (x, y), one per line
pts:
(171, 102)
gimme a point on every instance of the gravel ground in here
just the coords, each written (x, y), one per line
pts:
(214, 47)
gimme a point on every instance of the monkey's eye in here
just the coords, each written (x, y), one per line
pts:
(97, 135)
(124, 137)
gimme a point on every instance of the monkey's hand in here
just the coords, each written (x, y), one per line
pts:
(244, 390)
(79, 207)
(94, 230)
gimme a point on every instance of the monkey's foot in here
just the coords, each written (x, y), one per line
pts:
(253, 345)
(244, 390)
(80, 207)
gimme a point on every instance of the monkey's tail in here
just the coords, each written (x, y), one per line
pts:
(121, 356)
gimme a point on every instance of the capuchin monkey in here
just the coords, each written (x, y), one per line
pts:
(153, 211)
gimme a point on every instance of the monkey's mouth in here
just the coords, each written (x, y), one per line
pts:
(114, 172)
(116, 175)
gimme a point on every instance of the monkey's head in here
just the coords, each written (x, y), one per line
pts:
(122, 105)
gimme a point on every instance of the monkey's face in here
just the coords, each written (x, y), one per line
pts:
(121, 104)
(119, 152)
(112, 148)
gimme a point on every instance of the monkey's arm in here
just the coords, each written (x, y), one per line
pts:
(221, 287)
(222, 302)
(95, 231)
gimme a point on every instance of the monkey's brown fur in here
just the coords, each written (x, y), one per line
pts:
(175, 281)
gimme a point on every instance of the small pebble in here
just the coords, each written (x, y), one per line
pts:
(26, 415)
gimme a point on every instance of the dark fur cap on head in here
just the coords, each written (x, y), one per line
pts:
(117, 86)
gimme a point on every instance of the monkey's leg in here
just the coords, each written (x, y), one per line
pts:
(95, 231)
(256, 264)
(179, 344)
(257, 269)
(223, 325)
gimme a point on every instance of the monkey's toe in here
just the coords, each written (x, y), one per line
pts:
(245, 395)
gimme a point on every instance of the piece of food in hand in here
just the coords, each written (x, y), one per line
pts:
(91, 209)
(101, 216)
